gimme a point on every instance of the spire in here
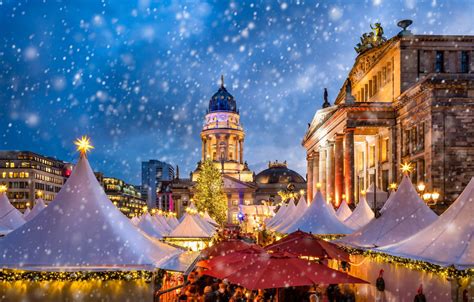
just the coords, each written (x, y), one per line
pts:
(222, 81)
(326, 103)
(177, 172)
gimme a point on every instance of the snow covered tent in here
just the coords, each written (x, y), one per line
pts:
(301, 207)
(190, 233)
(209, 219)
(172, 221)
(319, 219)
(82, 230)
(343, 212)
(405, 215)
(361, 216)
(448, 240)
(37, 208)
(290, 208)
(26, 212)
(151, 227)
(160, 220)
(135, 220)
(281, 211)
(10, 217)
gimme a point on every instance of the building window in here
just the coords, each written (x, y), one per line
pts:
(464, 62)
(406, 142)
(366, 94)
(384, 150)
(360, 161)
(384, 75)
(421, 136)
(371, 88)
(439, 65)
(371, 156)
(420, 167)
(413, 141)
(389, 73)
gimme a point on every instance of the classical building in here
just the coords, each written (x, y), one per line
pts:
(29, 175)
(154, 172)
(222, 138)
(409, 99)
(125, 196)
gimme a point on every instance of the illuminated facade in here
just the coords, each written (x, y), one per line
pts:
(125, 196)
(408, 99)
(29, 175)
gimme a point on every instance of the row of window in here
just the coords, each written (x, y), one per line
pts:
(440, 62)
(48, 178)
(47, 187)
(48, 169)
(374, 85)
(15, 175)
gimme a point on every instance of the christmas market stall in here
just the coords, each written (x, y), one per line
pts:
(38, 207)
(10, 217)
(296, 214)
(361, 216)
(343, 212)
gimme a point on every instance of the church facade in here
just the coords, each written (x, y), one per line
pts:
(222, 138)
(407, 100)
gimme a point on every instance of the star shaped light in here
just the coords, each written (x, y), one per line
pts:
(3, 188)
(83, 145)
(406, 168)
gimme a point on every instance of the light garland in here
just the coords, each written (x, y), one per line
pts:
(14, 275)
(447, 272)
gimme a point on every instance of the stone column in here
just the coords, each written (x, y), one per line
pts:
(338, 168)
(330, 172)
(309, 177)
(322, 170)
(241, 151)
(203, 149)
(236, 148)
(315, 174)
(349, 164)
(393, 155)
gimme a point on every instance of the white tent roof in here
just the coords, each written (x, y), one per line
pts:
(135, 220)
(161, 221)
(10, 217)
(319, 218)
(26, 212)
(81, 230)
(209, 228)
(38, 207)
(148, 225)
(284, 219)
(209, 219)
(189, 228)
(281, 212)
(361, 216)
(448, 240)
(406, 215)
(296, 215)
(343, 212)
(172, 221)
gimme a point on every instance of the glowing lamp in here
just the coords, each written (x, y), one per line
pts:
(301, 192)
(427, 196)
(421, 187)
(39, 193)
(83, 145)
(435, 196)
(318, 185)
(362, 192)
(3, 188)
(392, 186)
(343, 196)
(145, 208)
(406, 168)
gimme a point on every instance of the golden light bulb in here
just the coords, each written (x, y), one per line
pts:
(393, 186)
(362, 192)
(3, 188)
(318, 185)
(421, 187)
(39, 193)
(435, 196)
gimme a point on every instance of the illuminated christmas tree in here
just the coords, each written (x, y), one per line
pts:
(210, 194)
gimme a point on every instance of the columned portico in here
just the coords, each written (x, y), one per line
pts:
(309, 177)
(322, 170)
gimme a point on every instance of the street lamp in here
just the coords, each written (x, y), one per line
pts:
(421, 187)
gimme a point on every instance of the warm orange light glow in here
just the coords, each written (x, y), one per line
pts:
(435, 196)
(392, 186)
(318, 185)
(83, 145)
(3, 188)
(427, 196)
(406, 167)
(421, 187)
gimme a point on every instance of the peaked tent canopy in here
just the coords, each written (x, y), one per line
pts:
(152, 228)
(189, 228)
(37, 208)
(281, 212)
(448, 240)
(287, 217)
(82, 230)
(26, 212)
(209, 219)
(10, 217)
(160, 220)
(319, 219)
(361, 216)
(297, 213)
(135, 220)
(343, 212)
(172, 221)
(406, 215)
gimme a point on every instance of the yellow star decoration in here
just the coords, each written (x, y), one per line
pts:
(83, 145)
(3, 188)
(406, 167)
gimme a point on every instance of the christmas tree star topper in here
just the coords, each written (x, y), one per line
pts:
(3, 188)
(83, 145)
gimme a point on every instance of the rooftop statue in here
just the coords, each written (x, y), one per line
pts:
(372, 39)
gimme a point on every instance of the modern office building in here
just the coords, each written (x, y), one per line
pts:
(153, 173)
(408, 99)
(30, 175)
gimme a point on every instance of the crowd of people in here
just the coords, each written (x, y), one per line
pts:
(202, 288)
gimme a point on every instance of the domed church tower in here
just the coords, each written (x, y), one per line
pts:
(223, 137)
